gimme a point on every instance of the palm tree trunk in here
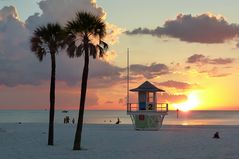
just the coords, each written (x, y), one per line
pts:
(52, 100)
(77, 142)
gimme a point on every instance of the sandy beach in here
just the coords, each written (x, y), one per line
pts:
(29, 140)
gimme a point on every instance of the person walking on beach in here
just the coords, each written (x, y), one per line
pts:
(66, 119)
(177, 113)
(216, 135)
(118, 121)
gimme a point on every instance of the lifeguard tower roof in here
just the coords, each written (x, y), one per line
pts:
(147, 86)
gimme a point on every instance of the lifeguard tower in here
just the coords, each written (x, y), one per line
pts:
(147, 114)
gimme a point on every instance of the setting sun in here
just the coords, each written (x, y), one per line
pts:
(192, 102)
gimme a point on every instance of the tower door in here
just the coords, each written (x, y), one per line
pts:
(142, 100)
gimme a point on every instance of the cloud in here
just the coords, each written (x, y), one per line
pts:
(215, 72)
(7, 12)
(19, 66)
(110, 56)
(237, 45)
(109, 102)
(212, 67)
(187, 67)
(31, 97)
(101, 73)
(113, 33)
(201, 59)
(92, 99)
(13, 34)
(14, 55)
(150, 71)
(171, 98)
(204, 28)
(178, 85)
(62, 11)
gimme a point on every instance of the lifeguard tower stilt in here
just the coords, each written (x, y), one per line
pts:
(147, 114)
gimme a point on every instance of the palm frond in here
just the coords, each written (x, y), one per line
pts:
(93, 50)
(35, 43)
(104, 45)
(80, 50)
(47, 39)
(101, 51)
(40, 53)
(85, 25)
(71, 49)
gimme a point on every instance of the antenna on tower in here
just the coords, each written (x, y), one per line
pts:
(127, 77)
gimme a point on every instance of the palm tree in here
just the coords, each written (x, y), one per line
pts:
(85, 37)
(48, 39)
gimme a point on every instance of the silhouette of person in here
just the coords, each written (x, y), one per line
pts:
(216, 135)
(64, 120)
(73, 121)
(118, 121)
(67, 119)
(177, 113)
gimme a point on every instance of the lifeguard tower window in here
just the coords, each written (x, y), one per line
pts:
(150, 97)
(142, 100)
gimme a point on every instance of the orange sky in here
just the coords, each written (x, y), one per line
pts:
(190, 53)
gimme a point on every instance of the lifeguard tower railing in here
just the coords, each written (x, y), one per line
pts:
(156, 108)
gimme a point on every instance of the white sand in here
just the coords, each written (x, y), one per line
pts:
(29, 141)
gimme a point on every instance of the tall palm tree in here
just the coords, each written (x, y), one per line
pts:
(85, 37)
(48, 39)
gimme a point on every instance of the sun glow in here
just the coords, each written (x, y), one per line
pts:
(192, 102)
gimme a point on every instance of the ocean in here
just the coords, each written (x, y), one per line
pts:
(110, 117)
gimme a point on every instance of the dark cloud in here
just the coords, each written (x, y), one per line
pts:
(187, 67)
(141, 31)
(212, 67)
(109, 102)
(215, 72)
(201, 59)
(196, 58)
(150, 71)
(219, 75)
(204, 28)
(221, 61)
(19, 66)
(178, 85)
(101, 73)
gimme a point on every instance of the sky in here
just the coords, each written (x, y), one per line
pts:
(188, 48)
